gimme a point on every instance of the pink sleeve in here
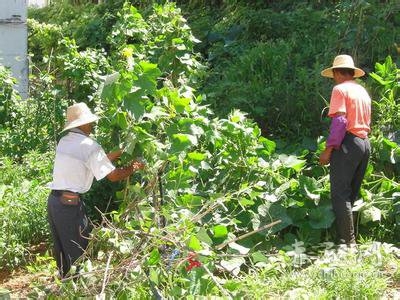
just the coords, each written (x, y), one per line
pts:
(337, 103)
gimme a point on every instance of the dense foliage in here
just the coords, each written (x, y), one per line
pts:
(265, 57)
(214, 185)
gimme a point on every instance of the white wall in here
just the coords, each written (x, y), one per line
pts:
(14, 41)
(37, 3)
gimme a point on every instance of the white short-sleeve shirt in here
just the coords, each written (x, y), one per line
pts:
(78, 160)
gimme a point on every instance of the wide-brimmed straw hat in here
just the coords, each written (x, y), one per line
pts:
(342, 61)
(79, 114)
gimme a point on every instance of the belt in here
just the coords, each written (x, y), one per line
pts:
(67, 197)
(353, 135)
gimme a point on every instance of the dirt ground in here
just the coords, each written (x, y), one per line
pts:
(16, 282)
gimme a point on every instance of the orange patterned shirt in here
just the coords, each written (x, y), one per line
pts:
(352, 99)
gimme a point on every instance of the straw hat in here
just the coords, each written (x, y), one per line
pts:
(79, 114)
(342, 61)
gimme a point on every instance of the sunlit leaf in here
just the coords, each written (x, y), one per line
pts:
(194, 243)
(291, 161)
(220, 231)
(371, 214)
(239, 248)
(180, 104)
(233, 265)
(197, 156)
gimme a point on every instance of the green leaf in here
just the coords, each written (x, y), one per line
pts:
(182, 141)
(121, 120)
(197, 156)
(135, 104)
(371, 214)
(181, 104)
(270, 212)
(147, 81)
(269, 145)
(194, 243)
(321, 217)
(246, 202)
(220, 231)
(151, 70)
(233, 285)
(258, 257)
(379, 79)
(153, 276)
(203, 236)
(190, 200)
(291, 161)
(310, 187)
(154, 257)
(297, 214)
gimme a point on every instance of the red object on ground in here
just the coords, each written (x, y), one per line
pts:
(193, 262)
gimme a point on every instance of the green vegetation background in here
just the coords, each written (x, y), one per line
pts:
(262, 57)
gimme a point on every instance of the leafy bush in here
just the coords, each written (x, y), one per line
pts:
(43, 39)
(33, 124)
(23, 202)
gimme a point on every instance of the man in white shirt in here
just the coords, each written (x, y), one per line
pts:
(79, 159)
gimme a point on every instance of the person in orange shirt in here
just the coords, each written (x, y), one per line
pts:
(347, 147)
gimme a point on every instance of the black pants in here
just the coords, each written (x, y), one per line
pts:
(347, 169)
(70, 231)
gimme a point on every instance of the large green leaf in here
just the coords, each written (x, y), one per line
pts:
(291, 161)
(121, 121)
(268, 145)
(271, 212)
(259, 257)
(134, 103)
(147, 80)
(182, 142)
(321, 217)
(310, 187)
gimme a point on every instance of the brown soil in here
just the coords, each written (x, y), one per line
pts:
(17, 282)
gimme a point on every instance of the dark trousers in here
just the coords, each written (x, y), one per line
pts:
(70, 231)
(347, 169)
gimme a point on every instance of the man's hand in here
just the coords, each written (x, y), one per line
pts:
(125, 172)
(114, 154)
(325, 156)
(137, 165)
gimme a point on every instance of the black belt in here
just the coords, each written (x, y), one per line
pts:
(60, 192)
(353, 135)
(67, 197)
